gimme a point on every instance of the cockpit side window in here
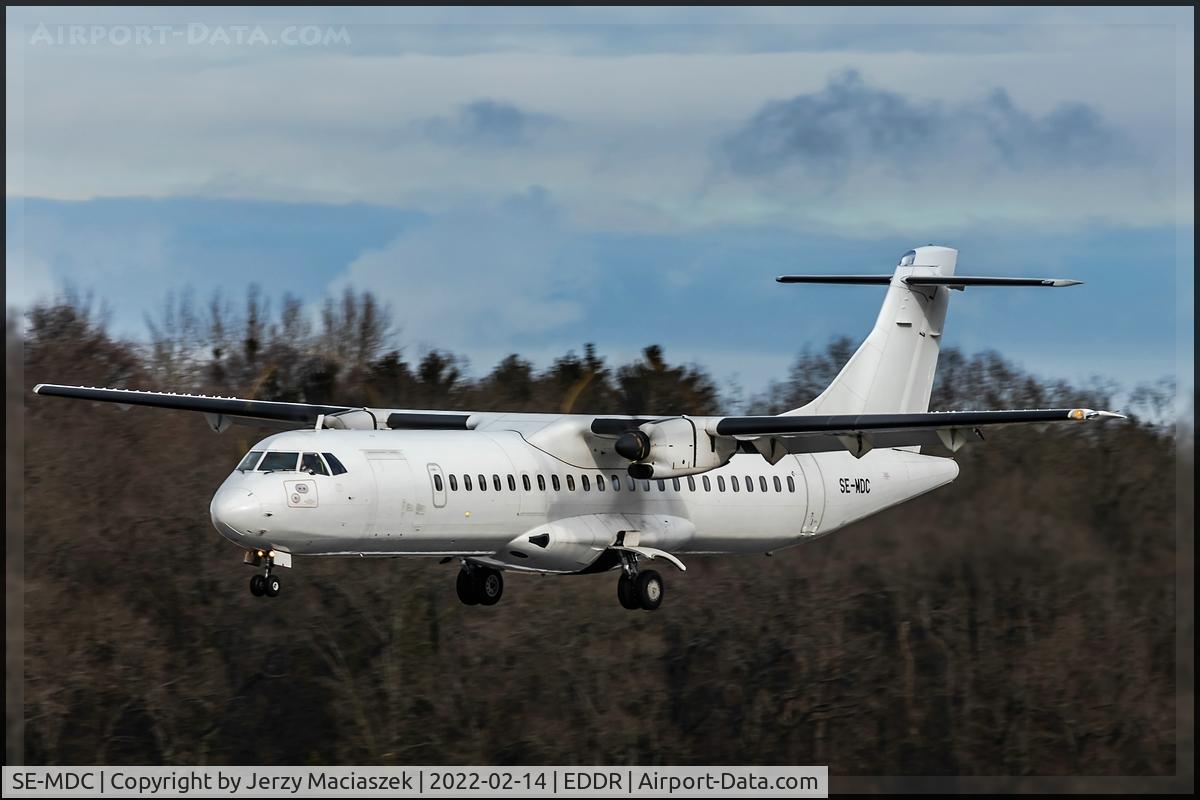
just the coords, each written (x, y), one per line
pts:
(335, 466)
(311, 462)
(279, 462)
(908, 259)
(250, 460)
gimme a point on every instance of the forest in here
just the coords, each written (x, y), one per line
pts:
(1018, 622)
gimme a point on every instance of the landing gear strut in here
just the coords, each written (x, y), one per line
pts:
(266, 584)
(479, 585)
(638, 588)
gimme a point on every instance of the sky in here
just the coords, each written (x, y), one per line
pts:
(529, 180)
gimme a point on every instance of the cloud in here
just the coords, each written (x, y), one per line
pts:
(480, 276)
(849, 123)
(624, 141)
(490, 123)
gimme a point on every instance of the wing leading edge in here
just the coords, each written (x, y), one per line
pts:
(797, 424)
(222, 410)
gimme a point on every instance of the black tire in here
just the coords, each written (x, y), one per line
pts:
(491, 586)
(649, 589)
(468, 590)
(627, 593)
(257, 586)
(273, 585)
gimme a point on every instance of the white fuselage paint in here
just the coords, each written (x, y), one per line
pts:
(387, 503)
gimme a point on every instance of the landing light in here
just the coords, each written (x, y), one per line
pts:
(1077, 413)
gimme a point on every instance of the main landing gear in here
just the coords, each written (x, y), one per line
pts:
(479, 585)
(265, 584)
(638, 588)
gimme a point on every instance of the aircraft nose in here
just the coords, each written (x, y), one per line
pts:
(238, 511)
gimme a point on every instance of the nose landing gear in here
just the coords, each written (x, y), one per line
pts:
(265, 584)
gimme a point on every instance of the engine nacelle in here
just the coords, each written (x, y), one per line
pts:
(672, 448)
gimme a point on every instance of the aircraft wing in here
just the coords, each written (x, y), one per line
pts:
(859, 433)
(772, 436)
(222, 411)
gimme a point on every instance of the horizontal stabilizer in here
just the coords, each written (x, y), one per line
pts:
(959, 281)
(953, 281)
(875, 280)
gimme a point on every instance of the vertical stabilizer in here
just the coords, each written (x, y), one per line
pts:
(892, 371)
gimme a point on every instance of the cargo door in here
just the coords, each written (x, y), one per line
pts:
(394, 508)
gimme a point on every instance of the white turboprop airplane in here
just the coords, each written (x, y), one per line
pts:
(579, 494)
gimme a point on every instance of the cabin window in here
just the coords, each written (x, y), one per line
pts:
(335, 466)
(691, 483)
(525, 483)
(467, 482)
(250, 460)
(437, 482)
(541, 483)
(311, 462)
(721, 483)
(762, 483)
(735, 483)
(599, 483)
(453, 483)
(496, 483)
(616, 483)
(707, 483)
(554, 482)
(791, 484)
(512, 483)
(749, 483)
(632, 484)
(675, 484)
(279, 462)
(585, 482)
(482, 483)
(778, 487)
(571, 482)
(662, 486)
(645, 486)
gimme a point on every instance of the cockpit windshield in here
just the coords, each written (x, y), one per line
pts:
(250, 460)
(312, 463)
(279, 462)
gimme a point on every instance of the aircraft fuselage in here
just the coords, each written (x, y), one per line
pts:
(499, 500)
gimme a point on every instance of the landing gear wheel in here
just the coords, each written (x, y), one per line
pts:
(272, 584)
(627, 593)
(258, 586)
(468, 589)
(649, 589)
(491, 586)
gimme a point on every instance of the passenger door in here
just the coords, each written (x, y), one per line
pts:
(437, 485)
(815, 485)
